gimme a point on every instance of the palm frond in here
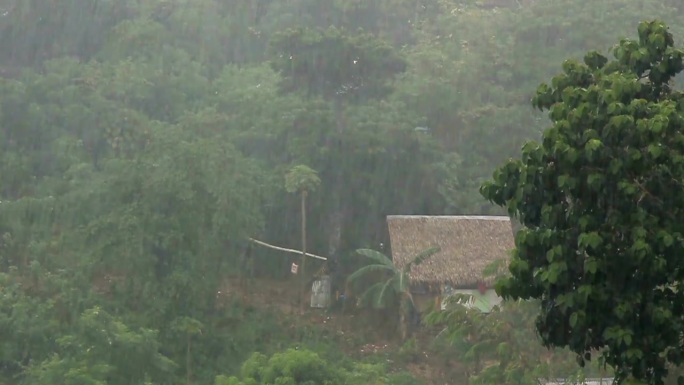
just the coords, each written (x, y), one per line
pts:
(403, 281)
(421, 257)
(458, 299)
(409, 298)
(377, 256)
(367, 270)
(382, 295)
(371, 294)
(494, 268)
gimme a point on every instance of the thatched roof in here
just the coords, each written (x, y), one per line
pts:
(468, 244)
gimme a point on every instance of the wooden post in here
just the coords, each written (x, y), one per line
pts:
(440, 295)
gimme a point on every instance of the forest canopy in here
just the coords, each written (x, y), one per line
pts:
(143, 143)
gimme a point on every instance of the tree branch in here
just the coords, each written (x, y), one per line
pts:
(286, 250)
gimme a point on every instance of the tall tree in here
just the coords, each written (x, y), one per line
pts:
(303, 180)
(335, 64)
(600, 202)
(342, 68)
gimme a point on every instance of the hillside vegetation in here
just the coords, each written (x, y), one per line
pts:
(143, 143)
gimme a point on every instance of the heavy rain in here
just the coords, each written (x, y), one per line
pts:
(341, 192)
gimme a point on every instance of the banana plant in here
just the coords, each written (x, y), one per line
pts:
(394, 289)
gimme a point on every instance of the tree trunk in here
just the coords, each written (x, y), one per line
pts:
(403, 321)
(188, 364)
(403, 328)
(338, 111)
(337, 207)
(302, 295)
(335, 224)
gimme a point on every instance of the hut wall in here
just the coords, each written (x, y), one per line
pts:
(423, 301)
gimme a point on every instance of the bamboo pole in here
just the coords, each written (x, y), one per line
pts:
(258, 242)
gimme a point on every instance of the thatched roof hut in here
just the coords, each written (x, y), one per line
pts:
(468, 245)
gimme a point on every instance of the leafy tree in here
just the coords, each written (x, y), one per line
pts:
(499, 347)
(470, 74)
(188, 327)
(334, 64)
(335, 70)
(599, 202)
(307, 368)
(141, 143)
(289, 367)
(103, 350)
(394, 290)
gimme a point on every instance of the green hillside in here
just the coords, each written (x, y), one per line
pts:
(143, 143)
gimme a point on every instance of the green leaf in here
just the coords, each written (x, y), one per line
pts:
(591, 240)
(666, 238)
(655, 150)
(656, 126)
(422, 256)
(566, 181)
(591, 265)
(615, 108)
(301, 178)
(586, 290)
(584, 222)
(595, 180)
(554, 271)
(615, 166)
(376, 256)
(593, 146)
(634, 354)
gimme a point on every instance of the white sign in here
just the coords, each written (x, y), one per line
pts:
(294, 268)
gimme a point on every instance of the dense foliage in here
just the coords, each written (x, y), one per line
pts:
(502, 347)
(599, 201)
(142, 143)
(295, 367)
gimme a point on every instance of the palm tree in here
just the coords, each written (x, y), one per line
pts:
(395, 288)
(303, 180)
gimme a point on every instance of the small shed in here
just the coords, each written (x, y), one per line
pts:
(468, 245)
(320, 292)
